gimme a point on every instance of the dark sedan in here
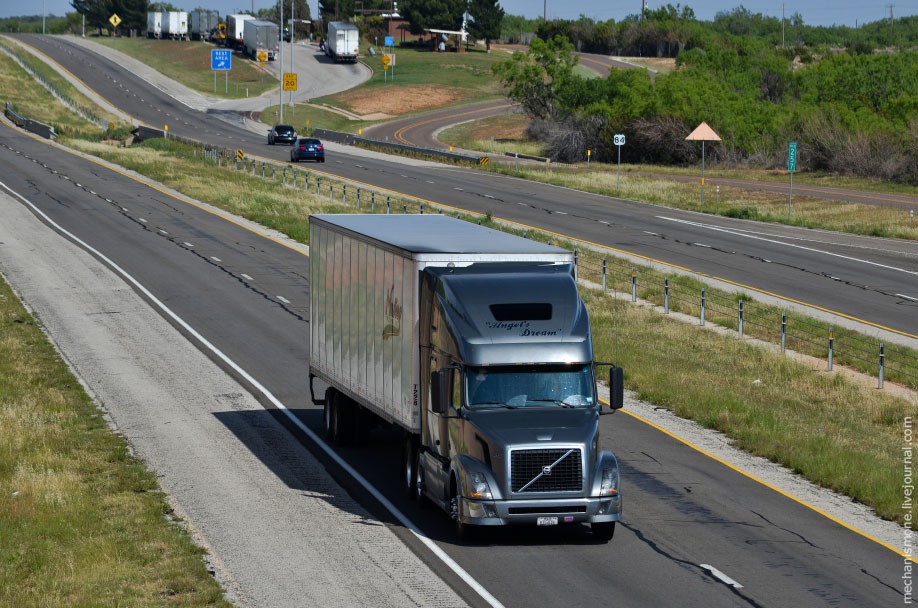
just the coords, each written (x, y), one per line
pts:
(307, 148)
(282, 134)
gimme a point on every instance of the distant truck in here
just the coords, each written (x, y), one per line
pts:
(343, 41)
(477, 346)
(175, 25)
(154, 24)
(260, 36)
(235, 30)
(203, 23)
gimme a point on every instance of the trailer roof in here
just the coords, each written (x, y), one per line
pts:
(429, 233)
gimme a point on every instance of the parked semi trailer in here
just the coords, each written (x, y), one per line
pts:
(203, 23)
(154, 24)
(477, 345)
(235, 30)
(343, 41)
(260, 36)
(175, 25)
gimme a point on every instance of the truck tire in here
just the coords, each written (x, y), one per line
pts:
(464, 532)
(328, 413)
(603, 530)
(410, 467)
(344, 417)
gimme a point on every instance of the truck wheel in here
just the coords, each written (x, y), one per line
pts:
(464, 532)
(422, 499)
(410, 467)
(603, 530)
(328, 413)
(344, 418)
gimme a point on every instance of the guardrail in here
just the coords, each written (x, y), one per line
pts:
(82, 110)
(33, 126)
(357, 140)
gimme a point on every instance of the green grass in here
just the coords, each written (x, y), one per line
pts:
(29, 99)
(188, 62)
(82, 523)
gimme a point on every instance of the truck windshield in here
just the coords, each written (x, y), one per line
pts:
(529, 386)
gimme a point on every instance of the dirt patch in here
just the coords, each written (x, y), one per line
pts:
(401, 100)
(660, 64)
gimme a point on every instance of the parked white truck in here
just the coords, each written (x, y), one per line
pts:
(343, 41)
(175, 25)
(235, 30)
(476, 344)
(259, 36)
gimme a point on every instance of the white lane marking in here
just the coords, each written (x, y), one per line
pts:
(559, 213)
(376, 494)
(910, 298)
(246, 277)
(140, 219)
(778, 242)
(283, 299)
(721, 576)
(187, 244)
(215, 259)
(603, 222)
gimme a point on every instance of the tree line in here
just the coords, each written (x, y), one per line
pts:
(851, 109)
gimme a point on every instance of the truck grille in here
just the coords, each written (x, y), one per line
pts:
(529, 473)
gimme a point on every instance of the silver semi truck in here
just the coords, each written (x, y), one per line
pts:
(477, 345)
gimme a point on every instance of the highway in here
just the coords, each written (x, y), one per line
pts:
(695, 532)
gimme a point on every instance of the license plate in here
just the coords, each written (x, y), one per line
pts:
(547, 521)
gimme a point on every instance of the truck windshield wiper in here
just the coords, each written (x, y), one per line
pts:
(500, 403)
(553, 401)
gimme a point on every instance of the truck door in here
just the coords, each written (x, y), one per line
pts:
(436, 457)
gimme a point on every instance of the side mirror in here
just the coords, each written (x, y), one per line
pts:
(439, 389)
(616, 387)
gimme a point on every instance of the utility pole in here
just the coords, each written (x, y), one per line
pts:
(782, 26)
(280, 65)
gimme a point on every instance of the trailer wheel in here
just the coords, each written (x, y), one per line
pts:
(603, 530)
(328, 413)
(344, 412)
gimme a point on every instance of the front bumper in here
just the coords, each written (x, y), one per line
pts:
(529, 512)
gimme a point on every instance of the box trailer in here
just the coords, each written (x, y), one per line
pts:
(343, 41)
(154, 24)
(477, 346)
(235, 29)
(175, 25)
(260, 36)
(203, 23)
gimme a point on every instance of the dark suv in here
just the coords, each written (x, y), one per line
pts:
(282, 134)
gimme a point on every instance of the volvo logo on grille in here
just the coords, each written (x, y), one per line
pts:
(546, 470)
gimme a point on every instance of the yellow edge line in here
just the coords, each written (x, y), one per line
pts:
(769, 486)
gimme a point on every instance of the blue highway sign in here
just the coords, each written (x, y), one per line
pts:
(221, 59)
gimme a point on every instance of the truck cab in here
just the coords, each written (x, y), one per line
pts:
(510, 423)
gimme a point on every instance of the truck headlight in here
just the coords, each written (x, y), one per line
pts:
(609, 486)
(478, 486)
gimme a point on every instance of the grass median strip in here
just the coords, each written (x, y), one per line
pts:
(82, 522)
